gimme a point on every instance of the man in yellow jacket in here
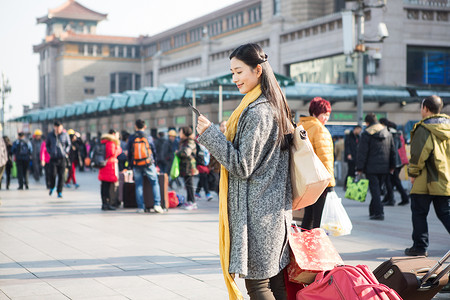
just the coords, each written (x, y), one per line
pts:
(429, 169)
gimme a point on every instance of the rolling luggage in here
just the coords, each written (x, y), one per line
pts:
(127, 190)
(414, 278)
(149, 201)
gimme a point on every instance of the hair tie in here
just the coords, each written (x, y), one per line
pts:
(263, 60)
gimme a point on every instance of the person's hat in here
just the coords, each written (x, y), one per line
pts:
(172, 133)
(37, 132)
(70, 131)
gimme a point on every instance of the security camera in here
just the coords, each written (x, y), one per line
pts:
(382, 31)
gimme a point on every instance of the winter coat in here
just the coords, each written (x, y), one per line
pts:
(259, 192)
(110, 172)
(376, 151)
(58, 147)
(36, 145)
(430, 156)
(322, 143)
(351, 146)
(186, 153)
(3, 153)
(44, 154)
(397, 145)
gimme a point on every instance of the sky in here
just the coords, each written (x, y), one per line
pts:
(19, 32)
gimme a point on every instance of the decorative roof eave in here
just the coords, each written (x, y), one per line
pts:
(74, 11)
(49, 41)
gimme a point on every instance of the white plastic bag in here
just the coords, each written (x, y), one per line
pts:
(335, 220)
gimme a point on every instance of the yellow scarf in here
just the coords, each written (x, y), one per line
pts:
(224, 230)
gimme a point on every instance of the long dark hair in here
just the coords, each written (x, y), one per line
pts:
(253, 55)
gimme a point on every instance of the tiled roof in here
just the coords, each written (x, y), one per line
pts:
(72, 10)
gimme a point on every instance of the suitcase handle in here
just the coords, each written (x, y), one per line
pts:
(440, 275)
(436, 266)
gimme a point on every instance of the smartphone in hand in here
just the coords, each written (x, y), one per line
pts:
(195, 110)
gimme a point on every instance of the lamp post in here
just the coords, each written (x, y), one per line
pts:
(361, 48)
(5, 89)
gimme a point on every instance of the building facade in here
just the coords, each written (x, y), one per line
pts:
(303, 39)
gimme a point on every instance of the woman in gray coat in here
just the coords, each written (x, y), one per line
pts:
(255, 154)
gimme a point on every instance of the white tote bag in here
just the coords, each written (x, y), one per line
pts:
(309, 176)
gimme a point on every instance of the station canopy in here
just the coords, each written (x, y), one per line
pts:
(207, 91)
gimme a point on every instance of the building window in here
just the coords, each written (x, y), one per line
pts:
(89, 91)
(152, 49)
(329, 70)
(121, 51)
(112, 50)
(276, 7)
(254, 14)
(165, 45)
(428, 66)
(122, 81)
(81, 49)
(89, 78)
(180, 40)
(196, 34)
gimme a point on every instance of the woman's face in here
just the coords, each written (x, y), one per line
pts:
(182, 136)
(323, 118)
(245, 77)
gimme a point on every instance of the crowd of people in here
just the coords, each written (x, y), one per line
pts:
(58, 157)
(247, 160)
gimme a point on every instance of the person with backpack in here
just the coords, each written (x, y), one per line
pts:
(22, 150)
(140, 158)
(162, 147)
(202, 160)
(58, 146)
(109, 175)
(187, 152)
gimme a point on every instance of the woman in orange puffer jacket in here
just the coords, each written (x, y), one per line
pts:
(320, 137)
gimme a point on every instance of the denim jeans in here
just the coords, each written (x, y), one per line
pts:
(150, 173)
(420, 206)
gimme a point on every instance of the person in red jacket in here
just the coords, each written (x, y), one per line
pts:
(109, 174)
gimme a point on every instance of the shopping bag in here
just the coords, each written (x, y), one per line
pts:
(175, 169)
(335, 220)
(311, 252)
(309, 176)
(14, 170)
(356, 189)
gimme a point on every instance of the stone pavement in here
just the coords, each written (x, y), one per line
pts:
(69, 249)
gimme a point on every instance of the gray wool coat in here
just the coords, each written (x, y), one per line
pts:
(259, 192)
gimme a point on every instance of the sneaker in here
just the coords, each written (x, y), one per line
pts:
(51, 191)
(390, 203)
(415, 252)
(403, 203)
(197, 195)
(158, 209)
(209, 197)
(59, 195)
(67, 185)
(77, 185)
(194, 206)
(140, 211)
(187, 206)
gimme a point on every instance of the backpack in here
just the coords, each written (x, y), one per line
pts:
(24, 151)
(99, 156)
(142, 153)
(202, 156)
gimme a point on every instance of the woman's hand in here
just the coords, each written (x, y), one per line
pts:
(202, 124)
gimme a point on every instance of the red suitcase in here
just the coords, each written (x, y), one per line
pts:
(414, 278)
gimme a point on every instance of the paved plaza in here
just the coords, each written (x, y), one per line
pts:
(68, 248)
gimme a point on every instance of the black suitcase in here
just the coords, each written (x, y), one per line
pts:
(129, 195)
(414, 278)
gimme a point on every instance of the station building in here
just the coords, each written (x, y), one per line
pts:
(303, 39)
